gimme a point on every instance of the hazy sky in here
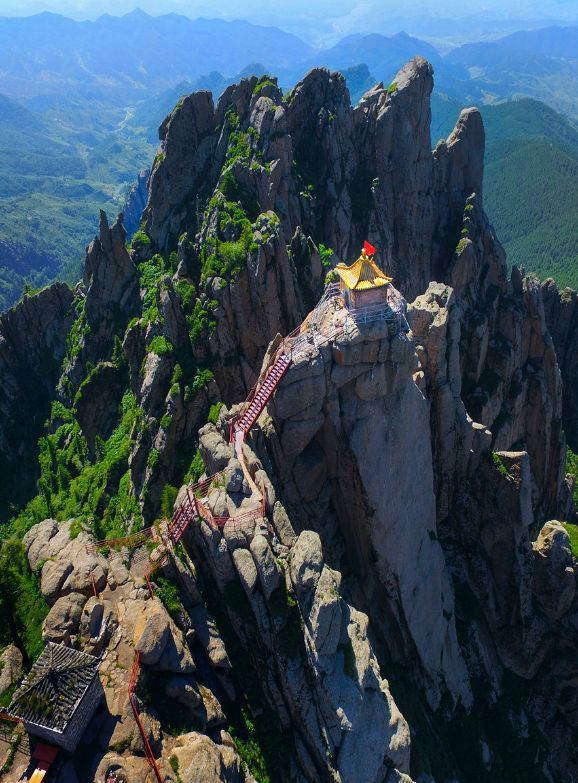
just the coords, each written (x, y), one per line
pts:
(324, 19)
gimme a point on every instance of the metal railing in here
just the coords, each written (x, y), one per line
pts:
(377, 312)
(150, 757)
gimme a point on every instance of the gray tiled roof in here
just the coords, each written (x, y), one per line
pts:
(54, 686)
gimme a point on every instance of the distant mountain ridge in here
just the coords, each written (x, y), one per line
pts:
(553, 41)
(131, 54)
(541, 64)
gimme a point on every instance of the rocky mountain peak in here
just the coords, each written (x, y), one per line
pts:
(376, 567)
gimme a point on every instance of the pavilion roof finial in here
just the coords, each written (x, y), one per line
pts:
(364, 273)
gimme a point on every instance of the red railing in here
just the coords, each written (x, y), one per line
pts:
(6, 716)
(150, 757)
(133, 540)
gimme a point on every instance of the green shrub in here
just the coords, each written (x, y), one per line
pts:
(168, 497)
(117, 352)
(232, 118)
(262, 82)
(499, 464)
(160, 345)
(249, 749)
(76, 528)
(174, 762)
(199, 321)
(213, 416)
(22, 605)
(177, 373)
(186, 292)
(326, 254)
(73, 484)
(140, 239)
(78, 331)
(229, 186)
(572, 467)
(202, 379)
(392, 88)
(239, 147)
(153, 458)
(151, 273)
(168, 593)
(166, 421)
(462, 244)
(196, 469)
(572, 531)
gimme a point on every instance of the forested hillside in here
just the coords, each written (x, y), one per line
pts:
(52, 184)
(530, 183)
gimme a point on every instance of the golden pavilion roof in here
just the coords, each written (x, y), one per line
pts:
(363, 274)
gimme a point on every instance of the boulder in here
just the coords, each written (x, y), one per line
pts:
(326, 615)
(68, 566)
(154, 638)
(161, 645)
(97, 624)
(212, 712)
(215, 450)
(246, 569)
(45, 540)
(283, 526)
(185, 690)
(10, 667)
(200, 760)
(554, 577)
(306, 564)
(63, 620)
(207, 633)
(267, 568)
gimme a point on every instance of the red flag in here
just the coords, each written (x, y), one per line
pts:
(369, 249)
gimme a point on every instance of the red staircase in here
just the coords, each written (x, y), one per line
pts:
(186, 513)
(261, 398)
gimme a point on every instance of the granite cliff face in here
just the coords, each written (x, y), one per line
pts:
(32, 347)
(405, 604)
(561, 308)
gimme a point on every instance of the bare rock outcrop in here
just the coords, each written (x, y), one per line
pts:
(135, 204)
(200, 760)
(332, 692)
(10, 668)
(108, 300)
(32, 347)
(67, 565)
(63, 619)
(554, 578)
(353, 409)
(561, 311)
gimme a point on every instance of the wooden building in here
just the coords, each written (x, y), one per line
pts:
(363, 283)
(59, 695)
